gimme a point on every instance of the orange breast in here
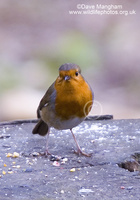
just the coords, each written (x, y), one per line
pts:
(73, 99)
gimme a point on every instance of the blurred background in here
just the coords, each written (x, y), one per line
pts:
(36, 37)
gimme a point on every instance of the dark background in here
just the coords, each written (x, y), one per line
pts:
(36, 37)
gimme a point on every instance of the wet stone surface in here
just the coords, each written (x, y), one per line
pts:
(25, 172)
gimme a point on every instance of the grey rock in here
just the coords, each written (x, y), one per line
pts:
(111, 142)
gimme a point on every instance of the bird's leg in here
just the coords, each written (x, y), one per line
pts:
(79, 151)
(47, 140)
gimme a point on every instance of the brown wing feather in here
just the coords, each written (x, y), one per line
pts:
(47, 98)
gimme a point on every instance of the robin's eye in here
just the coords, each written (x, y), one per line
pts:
(76, 73)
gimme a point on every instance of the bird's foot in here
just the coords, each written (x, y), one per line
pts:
(80, 152)
(47, 153)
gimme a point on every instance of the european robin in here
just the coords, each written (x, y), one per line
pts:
(65, 104)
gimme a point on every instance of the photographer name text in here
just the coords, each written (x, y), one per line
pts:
(100, 9)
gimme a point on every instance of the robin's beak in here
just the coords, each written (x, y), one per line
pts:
(66, 78)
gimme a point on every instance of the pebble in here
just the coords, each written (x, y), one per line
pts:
(15, 155)
(62, 191)
(55, 163)
(54, 158)
(130, 188)
(83, 190)
(3, 172)
(72, 170)
(28, 170)
(35, 154)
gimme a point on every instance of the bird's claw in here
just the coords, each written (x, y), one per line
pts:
(80, 152)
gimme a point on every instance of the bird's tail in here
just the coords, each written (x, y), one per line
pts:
(41, 128)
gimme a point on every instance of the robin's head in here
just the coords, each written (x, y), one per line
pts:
(69, 72)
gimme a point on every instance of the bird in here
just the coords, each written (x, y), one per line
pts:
(65, 104)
